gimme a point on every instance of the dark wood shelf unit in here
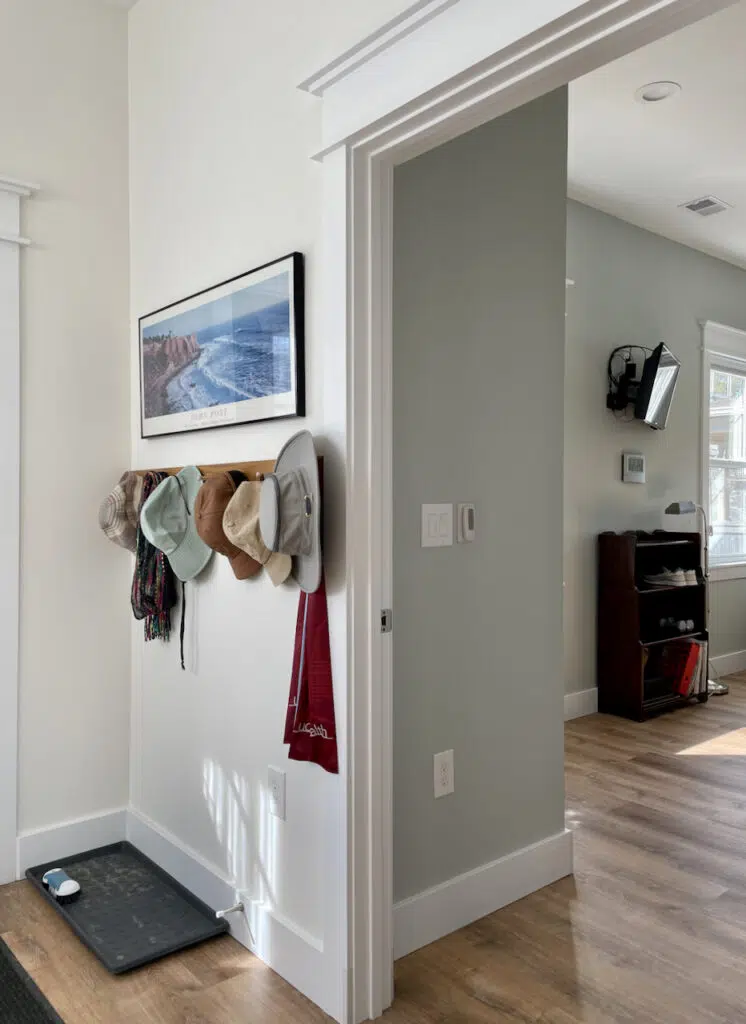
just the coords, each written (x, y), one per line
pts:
(631, 639)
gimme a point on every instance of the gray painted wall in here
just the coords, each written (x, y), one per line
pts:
(634, 287)
(479, 297)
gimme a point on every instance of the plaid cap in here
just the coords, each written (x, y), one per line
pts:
(119, 512)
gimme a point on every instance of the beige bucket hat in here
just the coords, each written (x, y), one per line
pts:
(241, 527)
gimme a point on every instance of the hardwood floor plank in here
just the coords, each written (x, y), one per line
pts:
(651, 930)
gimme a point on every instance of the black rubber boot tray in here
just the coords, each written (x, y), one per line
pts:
(129, 912)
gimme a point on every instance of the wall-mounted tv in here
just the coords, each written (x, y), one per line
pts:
(656, 388)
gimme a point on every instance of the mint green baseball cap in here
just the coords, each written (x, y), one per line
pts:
(167, 520)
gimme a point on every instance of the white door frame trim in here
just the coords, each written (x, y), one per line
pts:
(357, 262)
(11, 243)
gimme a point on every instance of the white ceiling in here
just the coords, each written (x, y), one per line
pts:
(640, 161)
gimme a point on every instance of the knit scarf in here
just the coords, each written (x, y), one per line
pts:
(153, 584)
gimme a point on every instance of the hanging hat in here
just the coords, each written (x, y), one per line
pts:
(212, 501)
(241, 525)
(290, 509)
(167, 520)
(119, 512)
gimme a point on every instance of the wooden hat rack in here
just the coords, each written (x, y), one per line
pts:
(251, 470)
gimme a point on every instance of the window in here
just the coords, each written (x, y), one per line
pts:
(724, 446)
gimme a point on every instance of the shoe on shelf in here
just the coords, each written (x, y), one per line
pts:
(667, 578)
(691, 577)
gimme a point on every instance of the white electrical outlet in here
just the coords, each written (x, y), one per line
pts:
(276, 786)
(443, 773)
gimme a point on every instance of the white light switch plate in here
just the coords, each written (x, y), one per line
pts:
(437, 526)
(276, 787)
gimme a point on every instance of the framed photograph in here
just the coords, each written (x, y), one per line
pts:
(230, 354)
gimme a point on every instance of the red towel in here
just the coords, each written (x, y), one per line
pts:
(310, 727)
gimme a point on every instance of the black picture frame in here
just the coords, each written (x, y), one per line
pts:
(211, 363)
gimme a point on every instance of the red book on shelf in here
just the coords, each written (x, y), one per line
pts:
(683, 684)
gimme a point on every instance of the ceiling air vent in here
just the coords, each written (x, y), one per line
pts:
(706, 206)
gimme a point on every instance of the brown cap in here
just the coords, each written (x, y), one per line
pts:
(209, 509)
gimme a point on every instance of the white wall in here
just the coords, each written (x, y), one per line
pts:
(479, 296)
(633, 287)
(63, 124)
(221, 181)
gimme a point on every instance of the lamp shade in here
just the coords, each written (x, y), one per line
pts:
(681, 508)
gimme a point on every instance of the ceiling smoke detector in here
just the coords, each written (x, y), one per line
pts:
(706, 206)
(654, 92)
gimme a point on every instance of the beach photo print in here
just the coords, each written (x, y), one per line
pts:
(231, 354)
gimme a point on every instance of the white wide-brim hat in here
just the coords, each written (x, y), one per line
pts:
(290, 510)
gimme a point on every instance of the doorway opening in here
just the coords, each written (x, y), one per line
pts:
(372, 541)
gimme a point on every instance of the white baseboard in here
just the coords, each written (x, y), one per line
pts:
(42, 845)
(724, 664)
(430, 915)
(580, 704)
(289, 950)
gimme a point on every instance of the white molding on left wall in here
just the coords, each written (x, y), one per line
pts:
(42, 845)
(12, 192)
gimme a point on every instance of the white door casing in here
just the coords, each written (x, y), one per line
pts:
(11, 242)
(435, 72)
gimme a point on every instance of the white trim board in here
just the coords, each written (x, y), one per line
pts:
(430, 915)
(16, 187)
(14, 239)
(581, 703)
(12, 193)
(722, 347)
(289, 950)
(734, 661)
(42, 845)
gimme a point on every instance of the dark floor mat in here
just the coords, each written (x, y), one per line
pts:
(21, 1002)
(130, 912)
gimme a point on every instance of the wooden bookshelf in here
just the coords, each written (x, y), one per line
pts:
(632, 637)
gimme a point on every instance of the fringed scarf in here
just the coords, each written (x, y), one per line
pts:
(153, 584)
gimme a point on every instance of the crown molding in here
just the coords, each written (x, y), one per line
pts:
(458, 59)
(391, 32)
(18, 188)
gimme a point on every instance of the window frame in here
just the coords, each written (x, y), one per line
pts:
(723, 348)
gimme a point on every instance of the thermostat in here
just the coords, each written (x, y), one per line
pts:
(633, 467)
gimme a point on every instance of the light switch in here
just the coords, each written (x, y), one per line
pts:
(437, 526)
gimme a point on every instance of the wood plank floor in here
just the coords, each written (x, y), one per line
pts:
(651, 929)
